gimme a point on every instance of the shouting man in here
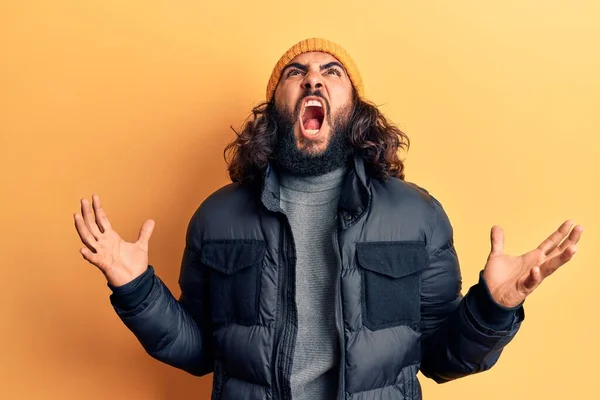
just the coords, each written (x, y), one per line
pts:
(320, 272)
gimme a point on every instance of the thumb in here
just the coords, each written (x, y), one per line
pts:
(532, 279)
(146, 231)
(497, 239)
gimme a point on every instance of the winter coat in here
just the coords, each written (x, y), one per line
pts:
(399, 308)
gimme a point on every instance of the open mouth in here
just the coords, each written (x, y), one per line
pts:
(312, 117)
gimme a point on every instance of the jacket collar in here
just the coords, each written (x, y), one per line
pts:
(355, 196)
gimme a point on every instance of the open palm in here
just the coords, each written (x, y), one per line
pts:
(119, 261)
(512, 278)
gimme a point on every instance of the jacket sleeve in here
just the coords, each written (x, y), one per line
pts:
(460, 335)
(176, 332)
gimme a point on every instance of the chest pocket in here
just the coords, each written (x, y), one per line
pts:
(235, 270)
(391, 282)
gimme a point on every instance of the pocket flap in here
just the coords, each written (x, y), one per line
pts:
(231, 256)
(393, 259)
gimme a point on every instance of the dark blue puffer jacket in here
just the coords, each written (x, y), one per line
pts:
(399, 306)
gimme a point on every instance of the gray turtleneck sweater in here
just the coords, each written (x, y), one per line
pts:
(310, 204)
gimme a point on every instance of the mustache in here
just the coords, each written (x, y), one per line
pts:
(309, 92)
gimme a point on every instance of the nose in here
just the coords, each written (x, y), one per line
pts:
(312, 80)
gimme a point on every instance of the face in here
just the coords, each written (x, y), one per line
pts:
(313, 104)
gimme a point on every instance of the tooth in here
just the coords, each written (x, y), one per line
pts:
(312, 103)
(312, 131)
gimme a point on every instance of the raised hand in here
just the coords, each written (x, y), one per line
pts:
(512, 278)
(118, 260)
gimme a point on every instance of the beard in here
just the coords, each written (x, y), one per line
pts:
(301, 162)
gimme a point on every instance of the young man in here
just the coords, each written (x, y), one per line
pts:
(319, 272)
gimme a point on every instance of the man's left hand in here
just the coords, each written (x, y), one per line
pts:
(511, 279)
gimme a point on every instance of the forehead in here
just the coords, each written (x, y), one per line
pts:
(314, 57)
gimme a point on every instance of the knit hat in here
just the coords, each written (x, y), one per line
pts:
(316, 44)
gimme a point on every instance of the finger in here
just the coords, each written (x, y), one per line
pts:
(548, 245)
(84, 234)
(88, 217)
(145, 232)
(573, 238)
(532, 280)
(90, 256)
(558, 260)
(497, 239)
(101, 218)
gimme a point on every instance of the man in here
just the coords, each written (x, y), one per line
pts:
(319, 272)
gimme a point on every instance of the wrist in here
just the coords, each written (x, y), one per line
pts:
(125, 285)
(124, 278)
(487, 310)
(132, 294)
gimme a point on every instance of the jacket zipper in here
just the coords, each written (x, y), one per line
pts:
(280, 315)
(339, 317)
(283, 334)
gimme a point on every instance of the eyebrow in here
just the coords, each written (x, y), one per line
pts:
(304, 68)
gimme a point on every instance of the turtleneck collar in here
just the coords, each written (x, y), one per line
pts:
(355, 195)
(318, 183)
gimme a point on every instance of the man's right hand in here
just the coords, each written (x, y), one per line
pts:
(119, 261)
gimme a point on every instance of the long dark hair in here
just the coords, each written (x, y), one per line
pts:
(371, 135)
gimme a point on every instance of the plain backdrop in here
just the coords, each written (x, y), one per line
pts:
(134, 101)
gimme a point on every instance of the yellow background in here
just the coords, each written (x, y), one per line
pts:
(133, 100)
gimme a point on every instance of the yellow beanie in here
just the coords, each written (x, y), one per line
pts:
(316, 44)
